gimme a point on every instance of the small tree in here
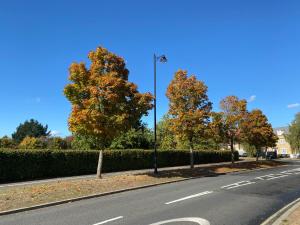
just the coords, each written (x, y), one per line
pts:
(31, 143)
(6, 142)
(232, 114)
(293, 137)
(57, 143)
(134, 139)
(166, 137)
(104, 102)
(189, 108)
(257, 131)
(31, 128)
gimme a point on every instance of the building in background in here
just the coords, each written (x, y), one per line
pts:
(283, 147)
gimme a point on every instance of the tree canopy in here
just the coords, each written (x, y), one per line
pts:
(257, 131)
(233, 111)
(104, 102)
(30, 128)
(293, 137)
(189, 107)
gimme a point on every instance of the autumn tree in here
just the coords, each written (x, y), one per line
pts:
(293, 136)
(104, 102)
(257, 131)
(189, 108)
(217, 129)
(233, 111)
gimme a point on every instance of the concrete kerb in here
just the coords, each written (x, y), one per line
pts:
(282, 214)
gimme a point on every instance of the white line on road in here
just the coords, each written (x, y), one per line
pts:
(110, 220)
(190, 196)
(238, 184)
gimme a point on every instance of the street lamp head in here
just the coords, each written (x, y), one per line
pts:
(163, 59)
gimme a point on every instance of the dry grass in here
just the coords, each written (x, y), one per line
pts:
(34, 194)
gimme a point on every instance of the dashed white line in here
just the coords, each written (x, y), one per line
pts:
(110, 220)
(189, 197)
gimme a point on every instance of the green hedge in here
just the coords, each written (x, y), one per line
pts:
(18, 165)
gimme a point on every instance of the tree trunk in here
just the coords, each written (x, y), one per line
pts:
(99, 167)
(232, 150)
(191, 157)
(266, 151)
(256, 155)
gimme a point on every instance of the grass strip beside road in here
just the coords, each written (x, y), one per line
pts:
(35, 194)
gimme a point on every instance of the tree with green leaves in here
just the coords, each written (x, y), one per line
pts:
(6, 142)
(104, 103)
(233, 111)
(30, 128)
(189, 108)
(165, 137)
(134, 139)
(293, 136)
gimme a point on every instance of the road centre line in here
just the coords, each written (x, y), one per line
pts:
(189, 197)
(109, 220)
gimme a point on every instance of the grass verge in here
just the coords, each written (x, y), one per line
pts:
(35, 194)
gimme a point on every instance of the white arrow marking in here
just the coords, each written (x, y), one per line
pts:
(197, 220)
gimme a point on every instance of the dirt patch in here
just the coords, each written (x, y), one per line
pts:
(30, 195)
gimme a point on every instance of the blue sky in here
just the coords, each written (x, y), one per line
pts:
(243, 48)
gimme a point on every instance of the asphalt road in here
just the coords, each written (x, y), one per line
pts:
(246, 198)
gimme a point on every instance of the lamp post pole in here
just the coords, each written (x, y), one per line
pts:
(161, 59)
(155, 144)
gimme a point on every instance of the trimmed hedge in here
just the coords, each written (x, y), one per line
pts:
(18, 165)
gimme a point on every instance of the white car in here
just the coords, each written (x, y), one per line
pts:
(295, 156)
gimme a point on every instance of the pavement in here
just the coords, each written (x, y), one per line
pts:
(244, 198)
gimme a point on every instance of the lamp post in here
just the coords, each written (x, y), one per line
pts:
(161, 59)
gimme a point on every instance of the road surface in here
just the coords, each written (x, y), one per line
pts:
(246, 198)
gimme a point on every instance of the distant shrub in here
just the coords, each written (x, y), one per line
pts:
(6, 142)
(57, 143)
(32, 143)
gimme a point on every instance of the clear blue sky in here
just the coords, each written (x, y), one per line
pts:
(243, 48)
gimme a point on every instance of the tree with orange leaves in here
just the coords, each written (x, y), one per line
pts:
(189, 108)
(233, 112)
(104, 102)
(257, 131)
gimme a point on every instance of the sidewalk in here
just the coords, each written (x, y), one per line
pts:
(288, 215)
(293, 218)
(131, 172)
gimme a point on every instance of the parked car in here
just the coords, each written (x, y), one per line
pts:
(271, 155)
(295, 156)
(242, 153)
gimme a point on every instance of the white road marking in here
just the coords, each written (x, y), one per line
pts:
(271, 176)
(237, 184)
(110, 220)
(197, 220)
(189, 197)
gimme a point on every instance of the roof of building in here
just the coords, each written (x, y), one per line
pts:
(281, 130)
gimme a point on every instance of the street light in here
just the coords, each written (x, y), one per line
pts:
(162, 59)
